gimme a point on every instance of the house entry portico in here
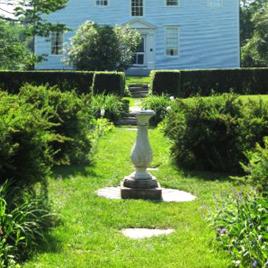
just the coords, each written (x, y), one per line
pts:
(144, 59)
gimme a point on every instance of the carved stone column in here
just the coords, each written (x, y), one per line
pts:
(141, 184)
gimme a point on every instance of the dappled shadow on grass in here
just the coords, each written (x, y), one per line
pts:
(202, 175)
(67, 172)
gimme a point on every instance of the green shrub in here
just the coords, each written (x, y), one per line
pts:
(81, 82)
(241, 224)
(22, 226)
(109, 83)
(257, 168)
(186, 83)
(24, 136)
(165, 82)
(71, 119)
(213, 133)
(107, 106)
(160, 105)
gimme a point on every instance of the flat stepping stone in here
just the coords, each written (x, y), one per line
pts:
(142, 233)
(168, 195)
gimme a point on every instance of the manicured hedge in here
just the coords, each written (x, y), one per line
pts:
(214, 133)
(240, 81)
(109, 83)
(12, 81)
(165, 82)
(186, 83)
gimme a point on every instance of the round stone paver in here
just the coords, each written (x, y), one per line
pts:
(168, 195)
(141, 233)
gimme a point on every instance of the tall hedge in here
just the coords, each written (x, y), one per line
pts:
(186, 83)
(165, 82)
(240, 81)
(109, 83)
(81, 82)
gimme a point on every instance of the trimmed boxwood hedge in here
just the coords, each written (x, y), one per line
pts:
(80, 81)
(165, 82)
(186, 83)
(109, 83)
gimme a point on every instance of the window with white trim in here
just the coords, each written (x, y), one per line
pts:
(56, 43)
(215, 3)
(102, 2)
(137, 8)
(172, 2)
(172, 41)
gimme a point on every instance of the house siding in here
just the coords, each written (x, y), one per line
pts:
(209, 37)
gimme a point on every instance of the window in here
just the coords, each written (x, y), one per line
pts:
(137, 8)
(139, 57)
(172, 41)
(56, 43)
(215, 3)
(102, 2)
(172, 2)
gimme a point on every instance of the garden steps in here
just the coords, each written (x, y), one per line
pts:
(138, 90)
(127, 120)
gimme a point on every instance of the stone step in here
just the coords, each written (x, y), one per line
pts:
(127, 121)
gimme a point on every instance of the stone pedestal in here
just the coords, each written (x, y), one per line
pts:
(141, 184)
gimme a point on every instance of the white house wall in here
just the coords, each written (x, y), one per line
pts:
(209, 37)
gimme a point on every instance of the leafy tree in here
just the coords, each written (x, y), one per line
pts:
(255, 49)
(253, 27)
(14, 51)
(99, 48)
(33, 14)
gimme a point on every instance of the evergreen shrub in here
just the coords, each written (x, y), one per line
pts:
(25, 157)
(70, 116)
(214, 133)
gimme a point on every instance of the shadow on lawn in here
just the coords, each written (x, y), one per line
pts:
(203, 175)
(67, 172)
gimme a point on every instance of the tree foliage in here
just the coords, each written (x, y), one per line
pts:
(100, 48)
(254, 32)
(14, 51)
(33, 14)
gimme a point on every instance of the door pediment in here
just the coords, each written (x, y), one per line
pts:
(139, 24)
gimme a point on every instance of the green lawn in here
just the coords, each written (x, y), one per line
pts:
(138, 80)
(89, 233)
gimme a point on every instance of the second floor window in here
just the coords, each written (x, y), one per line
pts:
(56, 43)
(172, 2)
(102, 2)
(137, 8)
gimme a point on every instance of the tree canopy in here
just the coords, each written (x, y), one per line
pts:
(98, 48)
(254, 32)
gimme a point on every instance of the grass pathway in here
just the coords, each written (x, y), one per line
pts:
(89, 233)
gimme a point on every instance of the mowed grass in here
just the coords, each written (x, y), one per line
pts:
(89, 233)
(130, 80)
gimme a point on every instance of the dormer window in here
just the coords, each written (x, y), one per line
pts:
(137, 8)
(172, 2)
(102, 2)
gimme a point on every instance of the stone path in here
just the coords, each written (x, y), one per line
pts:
(142, 233)
(169, 195)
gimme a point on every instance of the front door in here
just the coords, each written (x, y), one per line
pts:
(140, 56)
